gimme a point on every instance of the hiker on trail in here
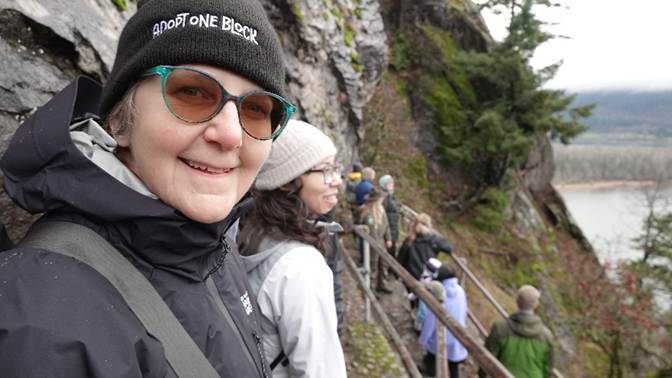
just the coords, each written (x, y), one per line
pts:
(351, 181)
(387, 185)
(373, 215)
(282, 241)
(421, 243)
(522, 343)
(455, 302)
(363, 188)
(187, 118)
(429, 273)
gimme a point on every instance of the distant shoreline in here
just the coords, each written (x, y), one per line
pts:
(597, 185)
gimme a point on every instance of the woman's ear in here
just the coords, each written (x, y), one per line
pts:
(122, 138)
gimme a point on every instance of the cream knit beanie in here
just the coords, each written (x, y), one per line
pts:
(300, 147)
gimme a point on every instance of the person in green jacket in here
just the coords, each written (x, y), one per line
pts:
(522, 343)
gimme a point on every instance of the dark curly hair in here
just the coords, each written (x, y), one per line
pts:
(280, 213)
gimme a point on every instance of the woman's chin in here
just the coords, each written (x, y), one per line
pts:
(209, 214)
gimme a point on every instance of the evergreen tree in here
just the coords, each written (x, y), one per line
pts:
(511, 107)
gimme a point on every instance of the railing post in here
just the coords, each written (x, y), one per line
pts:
(441, 359)
(463, 282)
(366, 251)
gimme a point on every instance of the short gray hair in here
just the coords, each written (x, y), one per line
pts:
(122, 113)
(527, 298)
(368, 173)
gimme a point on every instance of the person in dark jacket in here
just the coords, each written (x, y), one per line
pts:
(188, 115)
(351, 181)
(386, 183)
(333, 253)
(522, 343)
(421, 243)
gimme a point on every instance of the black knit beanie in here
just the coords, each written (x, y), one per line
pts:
(232, 34)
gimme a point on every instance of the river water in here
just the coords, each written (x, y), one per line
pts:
(610, 218)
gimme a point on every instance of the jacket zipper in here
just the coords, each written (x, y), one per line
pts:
(210, 284)
(257, 339)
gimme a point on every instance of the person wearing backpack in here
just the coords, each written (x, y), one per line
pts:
(140, 182)
(282, 241)
(421, 243)
(351, 181)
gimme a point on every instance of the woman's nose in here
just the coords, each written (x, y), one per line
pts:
(225, 129)
(336, 180)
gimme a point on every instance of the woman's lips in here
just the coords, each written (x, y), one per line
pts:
(205, 168)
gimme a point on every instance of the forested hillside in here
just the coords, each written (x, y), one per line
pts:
(644, 114)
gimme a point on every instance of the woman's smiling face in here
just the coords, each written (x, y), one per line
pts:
(200, 169)
(319, 197)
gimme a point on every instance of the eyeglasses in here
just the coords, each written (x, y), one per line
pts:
(194, 96)
(329, 172)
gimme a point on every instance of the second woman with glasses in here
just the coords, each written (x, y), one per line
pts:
(282, 245)
(187, 119)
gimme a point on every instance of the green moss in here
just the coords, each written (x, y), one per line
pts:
(348, 36)
(400, 56)
(337, 13)
(356, 62)
(373, 355)
(358, 13)
(399, 83)
(296, 10)
(490, 212)
(445, 45)
(416, 172)
(122, 5)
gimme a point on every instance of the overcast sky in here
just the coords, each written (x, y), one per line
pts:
(613, 44)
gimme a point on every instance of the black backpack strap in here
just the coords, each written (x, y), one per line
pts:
(5, 241)
(281, 358)
(82, 243)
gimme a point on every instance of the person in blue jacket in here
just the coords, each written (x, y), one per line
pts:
(364, 186)
(455, 302)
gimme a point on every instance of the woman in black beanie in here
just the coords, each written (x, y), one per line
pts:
(152, 166)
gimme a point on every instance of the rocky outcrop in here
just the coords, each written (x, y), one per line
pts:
(336, 51)
(539, 168)
(43, 46)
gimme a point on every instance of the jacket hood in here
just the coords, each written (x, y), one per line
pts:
(526, 324)
(355, 176)
(45, 171)
(452, 287)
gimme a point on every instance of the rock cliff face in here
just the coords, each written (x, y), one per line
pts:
(43, 46)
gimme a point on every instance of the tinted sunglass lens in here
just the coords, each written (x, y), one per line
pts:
(261, 114)
(192, 96)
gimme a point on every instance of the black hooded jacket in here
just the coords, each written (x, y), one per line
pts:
(61, 318)
(414, 254)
